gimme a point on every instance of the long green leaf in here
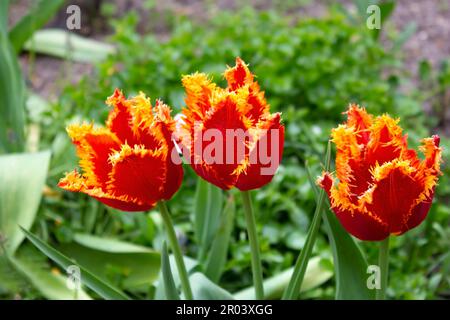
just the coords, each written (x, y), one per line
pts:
(350, 264)
(205, 289)
(63, 44)
(207, 211)
(218, 253)
(137, 265)
(4, 6)
(303, 259)
(103, 289)
(169, 284)
(50, 284)
(12, 99)
(22, 179)
(36, 18)
(191, 266)
(315, 275)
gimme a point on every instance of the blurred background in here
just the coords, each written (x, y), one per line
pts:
(312, 58)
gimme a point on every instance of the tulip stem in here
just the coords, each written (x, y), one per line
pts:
(383, 263)
(176, 250)
(254, 245)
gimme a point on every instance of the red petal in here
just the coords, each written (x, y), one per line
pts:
(419, 212)
(394, 195)
(358, 223)
(222, 174)
(138, 174)
(120, 118)
(125, 205)
(360, 120)
(238, 76)
(93, 148)
(254, 177)
(75, 182)
(362, 225)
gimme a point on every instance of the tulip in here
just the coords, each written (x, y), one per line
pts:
(230, 136)
(384, 187)
(128, 165)
(231, 140)
(132, 164)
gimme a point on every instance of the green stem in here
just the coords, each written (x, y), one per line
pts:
(254, 245)
(176, 250)
(293, 289)
(383, 263)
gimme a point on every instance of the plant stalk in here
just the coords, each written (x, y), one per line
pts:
(185, 285)
(383, 263)
(254, 245)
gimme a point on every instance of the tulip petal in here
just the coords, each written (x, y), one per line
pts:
(357, 222)
(361, 121)
(394, 194)
(386, 141)
(254, 176)
(94, 145)
(138, 174)
(120, 118)
(199, 89)
(74, 182)
(238, 76)
(218, 167)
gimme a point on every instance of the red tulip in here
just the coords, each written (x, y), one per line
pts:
(127, 165)
(229, 135)
(384, 187)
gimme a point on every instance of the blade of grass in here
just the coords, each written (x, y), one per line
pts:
(295, 284)
(218, 254)
(170, 289)
(207, 211)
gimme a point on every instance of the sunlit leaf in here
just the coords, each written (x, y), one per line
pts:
(102, 288)
(22, 177)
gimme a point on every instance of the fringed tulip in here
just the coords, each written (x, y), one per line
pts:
(384, 188)
(230, 135)
(128, 165)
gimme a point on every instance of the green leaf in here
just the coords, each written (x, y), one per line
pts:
(170, 289)
(102, 288)
(12, 99)
(315, 275)
(35, 19)
(350, 264)
(136, 265)
(63, 44)
(404, 36)
(218, 253)
(191, 265)
(303, 259)
(4, 7)
(205, 289)
(207, 211)
(50, 284)
(386, 9)
(22, 179)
